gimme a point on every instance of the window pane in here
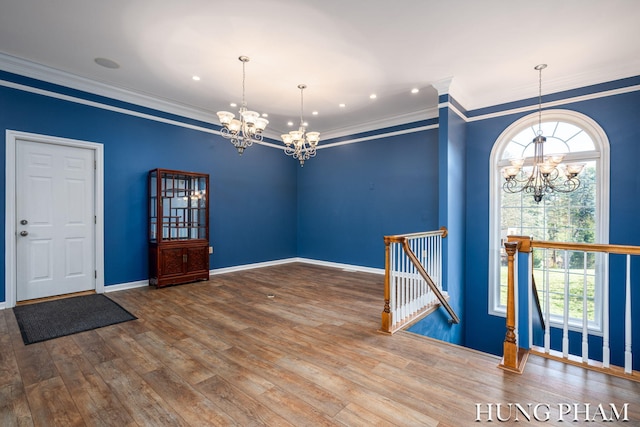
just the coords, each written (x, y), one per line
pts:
(561, 137)
(548, 128)
(565, 217)
(555, 146)
(581, 142)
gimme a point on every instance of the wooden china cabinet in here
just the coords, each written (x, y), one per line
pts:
(178, 227)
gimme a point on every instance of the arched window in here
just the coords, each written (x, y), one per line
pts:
(579, 216)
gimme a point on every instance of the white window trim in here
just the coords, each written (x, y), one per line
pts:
(601, 142)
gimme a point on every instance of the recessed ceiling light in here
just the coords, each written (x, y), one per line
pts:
(233, 104)
(415, 90)
(342, 105)
(315, 113)
(107, 63)
(305, 124)
(373, 96)
(289, 123)
(265, 115)
(196, 78)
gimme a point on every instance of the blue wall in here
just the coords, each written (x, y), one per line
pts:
(350, 196)
(451, 213)
(618, 116)
(252, 198)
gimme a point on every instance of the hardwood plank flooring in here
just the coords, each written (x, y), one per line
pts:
(223, 353)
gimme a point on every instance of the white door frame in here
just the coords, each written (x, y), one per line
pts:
(10, 207)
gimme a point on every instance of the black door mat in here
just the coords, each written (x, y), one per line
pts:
(52, 319)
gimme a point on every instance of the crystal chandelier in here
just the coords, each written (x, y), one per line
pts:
(248, 127)
(547, 175)
(299, 145)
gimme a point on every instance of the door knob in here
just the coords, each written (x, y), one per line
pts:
(24, 222)
(24, 233)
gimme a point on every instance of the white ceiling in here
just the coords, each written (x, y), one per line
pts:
(344, 50)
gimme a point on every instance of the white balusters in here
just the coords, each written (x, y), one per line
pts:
(572, 304)
(585, 312)
(393, 279)
(410, 293)
(547, 306)
(627, 320)
(565, 311)
(606, 351)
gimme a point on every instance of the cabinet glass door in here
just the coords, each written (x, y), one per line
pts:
(178, 206)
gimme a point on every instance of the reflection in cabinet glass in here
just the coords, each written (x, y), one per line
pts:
(178, 227)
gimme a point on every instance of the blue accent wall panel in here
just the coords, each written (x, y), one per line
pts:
(351, 196)
(252, 197)
(452, 209)
(456, 223)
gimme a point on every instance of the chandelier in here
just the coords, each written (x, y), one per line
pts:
(248, 127)
(546, 175)
(298, 144)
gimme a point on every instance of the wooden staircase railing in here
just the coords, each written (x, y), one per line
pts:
(514, 357)
(413, 282)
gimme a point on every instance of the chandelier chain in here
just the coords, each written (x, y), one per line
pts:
(547, 174)
(244, 74)
(301, 105)
(540, 68)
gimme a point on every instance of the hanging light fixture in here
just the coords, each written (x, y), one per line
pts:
(298, 144)
(547, 175)
(248, 127)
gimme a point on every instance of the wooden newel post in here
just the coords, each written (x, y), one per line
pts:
(512, 359)
(386, 312)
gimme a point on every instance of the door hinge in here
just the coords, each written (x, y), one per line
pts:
(95, 274)
(95, 219)
(95, 164)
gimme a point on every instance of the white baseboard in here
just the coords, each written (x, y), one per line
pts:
(251, 266)
(346, 267)
(123, 286)
(3, 305)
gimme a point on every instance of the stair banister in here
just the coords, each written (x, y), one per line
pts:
(413, 282)
(514, 357)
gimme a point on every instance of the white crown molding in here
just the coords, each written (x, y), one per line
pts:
(565, 83)
(378, 136)
(486, 99)
(403, 119)
(558, 103)
(51, 75)
(442, 86)
(452, 88)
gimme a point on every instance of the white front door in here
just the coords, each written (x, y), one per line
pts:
(55, 215)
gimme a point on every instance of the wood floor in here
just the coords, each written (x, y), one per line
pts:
(223, 352)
